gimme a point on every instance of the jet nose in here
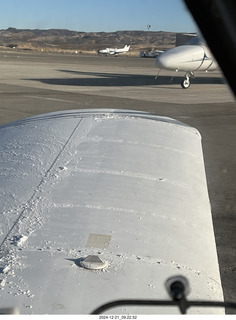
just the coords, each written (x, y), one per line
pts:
(181, 58)
(159, 61)
(164, 61)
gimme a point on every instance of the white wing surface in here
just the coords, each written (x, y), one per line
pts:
(126, 189)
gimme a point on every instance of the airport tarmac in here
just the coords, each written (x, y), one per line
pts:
(32, 84)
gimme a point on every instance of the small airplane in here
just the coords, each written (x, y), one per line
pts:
(188, 58)
(114, 51)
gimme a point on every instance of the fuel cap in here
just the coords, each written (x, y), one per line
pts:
(93, 262)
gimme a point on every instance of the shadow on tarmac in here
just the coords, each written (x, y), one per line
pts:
(95, 79)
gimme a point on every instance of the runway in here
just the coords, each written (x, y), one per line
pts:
(33, 84)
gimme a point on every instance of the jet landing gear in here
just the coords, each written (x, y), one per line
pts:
(185, 84)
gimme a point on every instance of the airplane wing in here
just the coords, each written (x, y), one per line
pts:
(98, 205)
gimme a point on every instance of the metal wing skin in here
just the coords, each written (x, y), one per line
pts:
(98, 205)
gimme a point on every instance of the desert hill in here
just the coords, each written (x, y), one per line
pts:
(61, 39)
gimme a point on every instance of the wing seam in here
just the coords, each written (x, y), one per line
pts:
(39, 185)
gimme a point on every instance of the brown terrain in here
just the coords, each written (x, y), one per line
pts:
(61, 40)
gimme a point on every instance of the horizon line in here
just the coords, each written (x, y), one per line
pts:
(71, 30)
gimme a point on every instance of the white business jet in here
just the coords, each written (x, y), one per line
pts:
(187, 58)
(114, 51)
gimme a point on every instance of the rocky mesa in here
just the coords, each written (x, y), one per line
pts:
(61, 39)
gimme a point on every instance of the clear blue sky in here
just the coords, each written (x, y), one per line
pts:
(96, 15)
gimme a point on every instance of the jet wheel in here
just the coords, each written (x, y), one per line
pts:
(185, 84)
